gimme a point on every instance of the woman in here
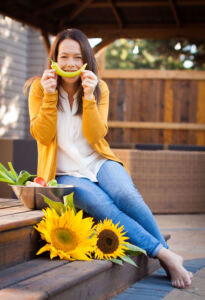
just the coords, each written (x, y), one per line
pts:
(69, 121)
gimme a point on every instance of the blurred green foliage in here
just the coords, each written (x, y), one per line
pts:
(156, 54)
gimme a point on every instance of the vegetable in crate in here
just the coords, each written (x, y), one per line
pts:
(52, 182)
(12, 177)
(23, 178)
(40, 181)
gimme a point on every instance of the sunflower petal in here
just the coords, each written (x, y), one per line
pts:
(45, 248)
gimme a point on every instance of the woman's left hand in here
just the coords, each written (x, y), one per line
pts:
(89, 82)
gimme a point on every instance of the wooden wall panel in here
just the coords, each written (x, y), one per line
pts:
(201, 111)
(129, 106)
(168, 110)
(172, 99)
(135, 108)
(191, 139)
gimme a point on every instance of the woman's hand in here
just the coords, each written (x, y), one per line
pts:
(49, 81)
(89, 82)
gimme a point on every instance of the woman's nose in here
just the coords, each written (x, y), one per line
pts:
(70, 62)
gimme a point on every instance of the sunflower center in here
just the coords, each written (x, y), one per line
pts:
(64, 239)
(108, 241)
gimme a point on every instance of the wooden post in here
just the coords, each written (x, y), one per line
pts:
(46, 41)
(100, 58)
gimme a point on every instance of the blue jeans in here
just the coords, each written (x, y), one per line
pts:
(115, 197)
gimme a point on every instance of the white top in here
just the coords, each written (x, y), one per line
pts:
(75, 156)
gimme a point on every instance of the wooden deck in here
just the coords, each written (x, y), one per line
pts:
(158, 286)
(23, 276)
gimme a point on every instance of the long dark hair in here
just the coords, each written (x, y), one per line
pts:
(87, 56)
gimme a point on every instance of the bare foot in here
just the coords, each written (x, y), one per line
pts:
(173, 265)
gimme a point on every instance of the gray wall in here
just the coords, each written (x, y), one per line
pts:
(22, 55)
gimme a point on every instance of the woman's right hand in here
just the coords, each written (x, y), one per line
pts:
(49, 81)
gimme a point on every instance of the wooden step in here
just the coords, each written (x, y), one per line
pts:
(19, 241)
(23, 276)
(58, 279)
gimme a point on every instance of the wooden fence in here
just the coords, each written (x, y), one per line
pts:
(157, 107)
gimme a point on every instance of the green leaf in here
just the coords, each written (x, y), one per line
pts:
(58, 206)
(23, 177)
(15, 175)
(133, 253)
(12, 176)
(134, 250)
(128, 260)
(5, 178)
(5, 172)
(116, 261)
(69, 202)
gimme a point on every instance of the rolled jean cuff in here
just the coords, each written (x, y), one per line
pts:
(156, 250)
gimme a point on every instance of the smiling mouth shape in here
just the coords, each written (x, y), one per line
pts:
(70, 70)
(63, 73)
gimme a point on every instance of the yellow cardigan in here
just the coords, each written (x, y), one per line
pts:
(43, 126)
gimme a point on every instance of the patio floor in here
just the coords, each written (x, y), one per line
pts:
(187, 239)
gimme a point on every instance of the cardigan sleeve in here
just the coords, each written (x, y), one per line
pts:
(43, 113)
(95, 116)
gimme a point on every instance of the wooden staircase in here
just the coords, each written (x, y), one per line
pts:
(25, 276)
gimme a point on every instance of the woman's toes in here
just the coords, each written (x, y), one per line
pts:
(187, 282)
(174, 283)
(181, 283)
(191, 275)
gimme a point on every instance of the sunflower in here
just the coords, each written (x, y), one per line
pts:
(110, 240)
(68, 236)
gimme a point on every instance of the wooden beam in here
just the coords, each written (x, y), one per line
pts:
(145, 31)
(31, 21)
(156, 125)
(149, 3)
(116, 13)
(175, 12)
(104, 43)
(155, 74)
(79, 9)
(53, 6)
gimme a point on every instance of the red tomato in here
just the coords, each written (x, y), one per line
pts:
(40, 181)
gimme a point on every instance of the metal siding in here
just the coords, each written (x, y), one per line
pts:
(22, 55)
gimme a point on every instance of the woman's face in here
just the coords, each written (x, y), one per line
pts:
(70, 58)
